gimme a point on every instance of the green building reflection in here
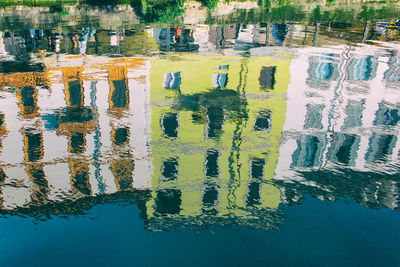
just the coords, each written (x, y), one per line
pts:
(215, 148)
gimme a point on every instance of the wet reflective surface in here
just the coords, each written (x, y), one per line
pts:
(205, 143)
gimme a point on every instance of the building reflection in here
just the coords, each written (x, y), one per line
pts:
(341, 130)
(3, 133)
(204, 139)
(178, 39)
(210, 195)
(75, 121)
(122, 167)
(203, 169)
(26, 85)
(33, 149)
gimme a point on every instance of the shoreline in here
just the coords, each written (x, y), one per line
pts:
(187, 4)
(192, 12)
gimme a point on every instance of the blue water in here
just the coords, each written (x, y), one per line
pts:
(316, 233)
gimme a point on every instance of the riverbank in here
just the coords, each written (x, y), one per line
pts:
(206, 3)
(192, 12)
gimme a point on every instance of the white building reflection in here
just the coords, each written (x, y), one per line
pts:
(343, 111)
(75, 125)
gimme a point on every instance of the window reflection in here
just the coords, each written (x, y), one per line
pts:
(120, 135)
(77, 143)
(216, 118)
(380, 147)
(219, 80)
(33, 148)
(40, 188)
(361, 69)
(263, 121)
(123, 166)
(172, 80)
(344, 148)
(169, 169)
(324, 69)
(354, 110)
(222, 67)
(34, 152)
(119, 91)
(314, 116)
(119, 95)
(75, 94)
(393, 73)
(253, 196)
(2, 120)
(386, 115)
(168, 201)
(122, 170)
(80, 177)
(170, 125)
(267, 78)
(210, 195)
(321, 70)
(27, 96)
(307, 152)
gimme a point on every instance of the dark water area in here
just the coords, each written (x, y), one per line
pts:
(219, 138)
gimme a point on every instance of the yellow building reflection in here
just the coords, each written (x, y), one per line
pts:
(217, 123)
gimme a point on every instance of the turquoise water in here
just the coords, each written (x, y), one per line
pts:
(314, 233)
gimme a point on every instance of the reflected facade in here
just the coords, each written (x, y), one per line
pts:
(221, 125)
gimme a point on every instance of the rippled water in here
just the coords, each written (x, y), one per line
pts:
(207, 144)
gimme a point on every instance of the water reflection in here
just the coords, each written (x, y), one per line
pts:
(18, 45)
(224, 125)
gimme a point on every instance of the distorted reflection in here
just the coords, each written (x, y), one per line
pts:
(197, 124)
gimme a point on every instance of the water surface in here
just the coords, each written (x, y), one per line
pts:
(261, 143)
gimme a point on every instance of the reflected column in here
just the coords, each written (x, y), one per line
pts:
(210, 196)
(27, 95)
(75, 121)
(3, 133)
(168, 201)
(122, 165)
(33, 150)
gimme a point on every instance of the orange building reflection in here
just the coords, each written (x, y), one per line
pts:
(33, 151)
(27, 92)
(75, 121)
(122, 166)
